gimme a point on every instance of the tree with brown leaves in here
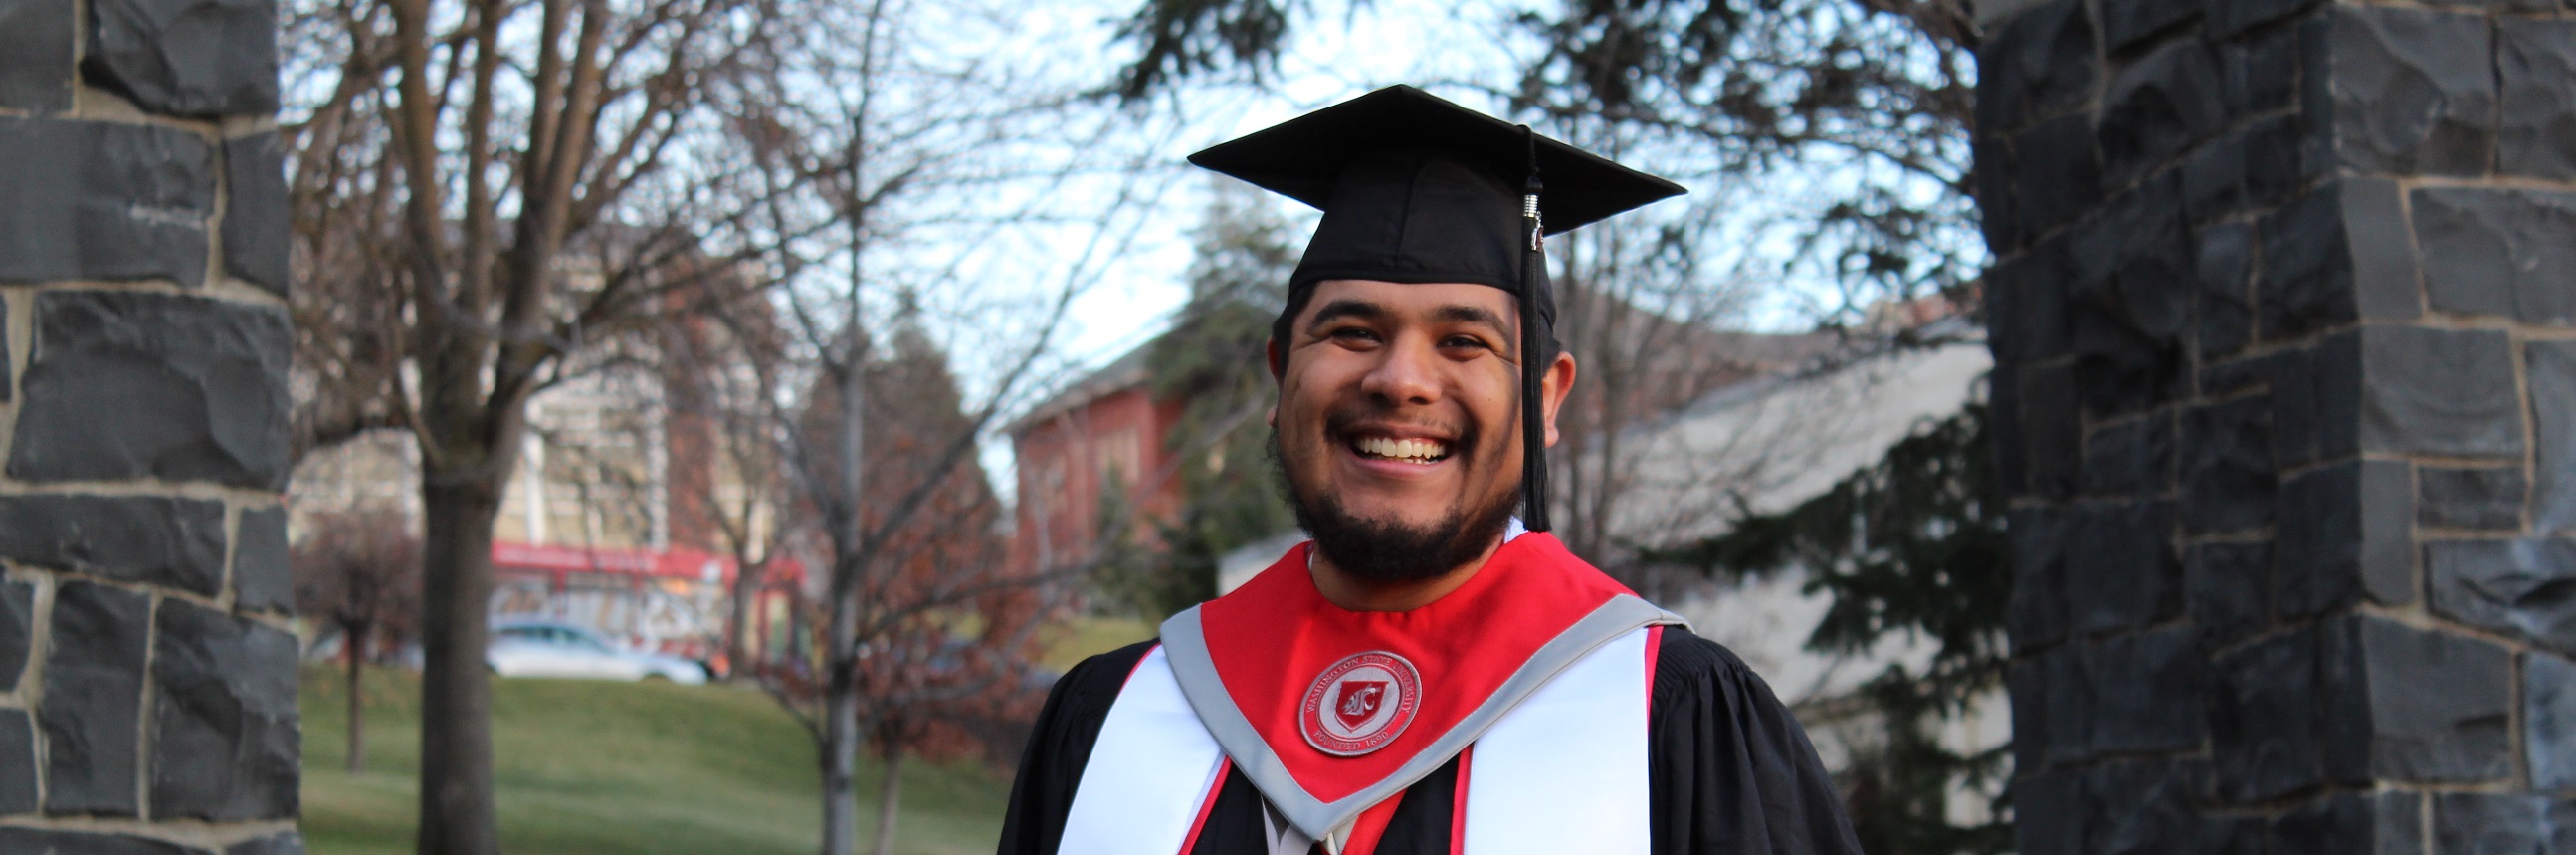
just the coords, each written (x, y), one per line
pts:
(358, 573)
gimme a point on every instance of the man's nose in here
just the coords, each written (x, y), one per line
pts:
(1406, 375)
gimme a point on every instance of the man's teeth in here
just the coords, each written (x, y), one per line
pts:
(1419, 450)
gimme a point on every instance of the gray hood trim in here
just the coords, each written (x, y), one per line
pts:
(1186, 646)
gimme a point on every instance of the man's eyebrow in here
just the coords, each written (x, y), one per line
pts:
(1462, 313)
(1361, 309)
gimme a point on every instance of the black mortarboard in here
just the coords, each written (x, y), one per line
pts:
(1417, 189)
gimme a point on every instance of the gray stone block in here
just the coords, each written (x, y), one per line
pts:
(42, 841)
(2026, 685)
(2068, 685)
(2040, 64)
(2500, 252)
(2140, 808)
(2129, 574)
(2389, 823)
(2147, 693)
(18, 793)
(2051, 429)
(2334, 825)
(289, 843)
(2263, 717)
(2346, 532)
(2552, 371)
(2549, 721)
(2316, 397)
(2049, 814)
(2127, 22)
(2241, 835)
(2003, 426)
(154, 539)
(102, 200)
(2482, 498)
(36, 55)
(2213, 179)
(214, 372)
(2517, 587)
(262, 577)
(2385, 282)
(2160, 105)
(2026, 306)
(93, 699)
(2130, 458)
(2036, 616)
(186, 57)
(2307, 280)
(256, 223)
(226, 738)
(2414, 91)
(2260, 73)
(2281, 159)
(2447, 392)
(2440, 704)
(2499, 823)
(2126, 319)
(2060, 177)
(17, 631)
(2225, 312)
(1993, 183)
(2228, 589)
(2227, 474)
(2535, 59)
(2230, 17)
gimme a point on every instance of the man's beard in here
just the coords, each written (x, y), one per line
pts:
(1387, 550)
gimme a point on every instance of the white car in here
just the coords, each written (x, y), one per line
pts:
(549, 649)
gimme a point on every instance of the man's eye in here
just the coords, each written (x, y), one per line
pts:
(1352, 334)
(1467, 341)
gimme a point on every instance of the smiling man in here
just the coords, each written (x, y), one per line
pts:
(1429, 674)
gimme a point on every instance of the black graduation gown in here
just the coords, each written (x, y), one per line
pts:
(1732, 772)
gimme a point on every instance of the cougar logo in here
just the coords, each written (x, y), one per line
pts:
(1371, 697)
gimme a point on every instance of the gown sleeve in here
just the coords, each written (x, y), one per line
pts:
(1059, 745)
(1733, 773)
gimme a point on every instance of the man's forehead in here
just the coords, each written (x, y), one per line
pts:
(1448, 301)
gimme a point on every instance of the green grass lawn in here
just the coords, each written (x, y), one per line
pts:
(596, 767)
(637, 768)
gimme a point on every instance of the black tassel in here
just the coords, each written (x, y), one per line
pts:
(1534, 359)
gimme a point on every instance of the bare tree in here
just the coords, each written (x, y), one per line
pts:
(961, 197)
(487, 189)
(714, 362)
(359, 574)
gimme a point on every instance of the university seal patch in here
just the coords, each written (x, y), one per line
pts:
(1360, 704)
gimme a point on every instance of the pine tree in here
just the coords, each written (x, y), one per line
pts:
(1213, 360)
(1910, 547)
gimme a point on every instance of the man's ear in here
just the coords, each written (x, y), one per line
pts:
(1553, 387)
(1278, 359)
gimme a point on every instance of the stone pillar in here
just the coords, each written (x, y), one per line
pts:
(147, 669)
(2284, 317)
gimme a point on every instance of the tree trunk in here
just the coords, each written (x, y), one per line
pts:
(841, 730)
(456, 815)
(746, 596)
(888, 798)
(355, 638)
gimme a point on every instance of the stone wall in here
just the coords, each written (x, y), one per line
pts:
(147, 671)
(2284, 311)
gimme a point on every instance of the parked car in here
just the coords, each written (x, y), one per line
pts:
(528, 648)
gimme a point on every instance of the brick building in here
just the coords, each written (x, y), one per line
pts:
(1100, 439)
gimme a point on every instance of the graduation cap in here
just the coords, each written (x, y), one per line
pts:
(1416, 189)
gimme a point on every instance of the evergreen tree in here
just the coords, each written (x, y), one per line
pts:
(1213, 361)
(1911, 547)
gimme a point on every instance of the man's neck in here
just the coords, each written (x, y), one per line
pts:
(1378, 595)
